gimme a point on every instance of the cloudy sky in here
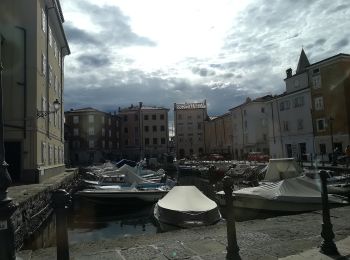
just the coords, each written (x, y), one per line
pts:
(165, 51)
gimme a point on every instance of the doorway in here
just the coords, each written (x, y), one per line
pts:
(14, 160)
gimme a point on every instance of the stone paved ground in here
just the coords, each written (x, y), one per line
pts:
(289, 237)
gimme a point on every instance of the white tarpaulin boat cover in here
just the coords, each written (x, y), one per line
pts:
(131, 176)
(299, 189)
(186, 206)
(280, 169)
(186, 198)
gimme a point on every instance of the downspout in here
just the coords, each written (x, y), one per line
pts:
(24, 83)
(279, 126)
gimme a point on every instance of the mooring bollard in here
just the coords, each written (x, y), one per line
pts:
(328, 247)
(61, 201)
(232, 246)
(7, 231)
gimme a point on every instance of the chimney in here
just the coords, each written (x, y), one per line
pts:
(289, 72)
(119, 109)
(71, 109)
(140, 104)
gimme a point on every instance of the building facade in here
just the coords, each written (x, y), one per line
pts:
(33, 51)
(330, 94)
(219, 135)
(250, 127)
(92, 136)
(144, 131)
(290, 124)
(189, 128)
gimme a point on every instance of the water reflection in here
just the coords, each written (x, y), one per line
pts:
(89, 222)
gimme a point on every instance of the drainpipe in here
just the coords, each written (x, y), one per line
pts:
(24, 83)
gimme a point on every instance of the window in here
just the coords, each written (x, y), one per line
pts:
(179, 116)
(162, 140)
(318, 103)
(245, 124)
(146, 128)
(199, 126)
(43, 64)
(154, 117)
(300, 124)
(103, 119)
(125, 130)
(55, 83)
(76, 144)
(296, 83)
(154, 128)
(50, 36)
(285, 126)
(103, 143)
(262, 110)
(146, 140)
(59, 58)
(91, 143)
(162, 117)
(155, 140)
(299, 101)
(110, 144)
(315, 71)
(91, 118)
(189, 117)
(145, 117)
(91, 131)
(54, 47)
(43, 103)
(103, 131)
(245, 112)
(75, 119)
(316, 82)
(110, 133)
(126, 142)
(50, 75)
(109, 121)
(55, 118)
(51, 114)
(264, 137)
(321, 124)
(286, 104)
(43, 152)
(136, 117)
(136, 130)
(162, 128)
(50, 154)
(43, 20)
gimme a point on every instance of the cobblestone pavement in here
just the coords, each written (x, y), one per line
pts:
(286, 237)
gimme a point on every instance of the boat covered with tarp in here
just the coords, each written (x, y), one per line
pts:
(185, 207)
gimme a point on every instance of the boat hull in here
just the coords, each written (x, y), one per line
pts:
(122, 197)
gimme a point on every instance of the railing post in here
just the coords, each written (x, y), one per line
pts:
(232, 246)
(328, 247)
(61, 201)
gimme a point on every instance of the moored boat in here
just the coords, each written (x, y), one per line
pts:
(185, 207)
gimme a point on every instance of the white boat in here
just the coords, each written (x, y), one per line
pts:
(298, 194)
(124, 195)
(185, 207)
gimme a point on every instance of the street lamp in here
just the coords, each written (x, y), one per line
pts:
(334, 159)
(56, 107)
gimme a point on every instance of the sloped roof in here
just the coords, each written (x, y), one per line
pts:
(85, 109)
(303, 62)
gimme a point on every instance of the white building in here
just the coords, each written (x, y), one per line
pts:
(290, 121)
(250, 129)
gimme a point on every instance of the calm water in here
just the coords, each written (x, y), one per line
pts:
(91, 223)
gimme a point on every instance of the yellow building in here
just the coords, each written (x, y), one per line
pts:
(219, 135)
(33, 50)
(189, 128)
(330, 93)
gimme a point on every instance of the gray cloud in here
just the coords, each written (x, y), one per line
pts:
(93, 60)
(264, 41)
(342, 43)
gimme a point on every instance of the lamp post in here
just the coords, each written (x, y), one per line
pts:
(56, 107)
(7, 207)
(334, 161)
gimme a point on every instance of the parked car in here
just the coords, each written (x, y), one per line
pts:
(257, 157)
(216, 157)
